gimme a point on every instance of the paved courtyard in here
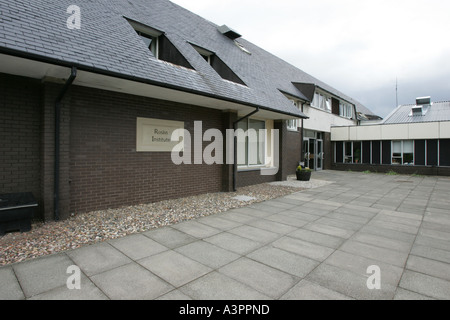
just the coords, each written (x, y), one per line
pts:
(314, 244)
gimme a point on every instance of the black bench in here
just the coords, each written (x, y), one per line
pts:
(16, 212)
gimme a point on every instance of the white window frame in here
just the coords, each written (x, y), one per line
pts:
(262, 153)
(402, 152)
(293, 124)
(322, 101)
(345, 110)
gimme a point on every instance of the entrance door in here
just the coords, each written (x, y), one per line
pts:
(319, 155)
(312, 154)
(313, 149)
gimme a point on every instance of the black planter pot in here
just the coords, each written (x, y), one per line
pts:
(303, 175)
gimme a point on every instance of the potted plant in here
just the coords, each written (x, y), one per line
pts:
(303, 173)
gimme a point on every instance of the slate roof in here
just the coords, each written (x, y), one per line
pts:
(106, 43)
(438, 111)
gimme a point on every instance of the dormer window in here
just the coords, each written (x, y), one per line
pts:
(321, 101)
(151, 42)
(345, 110)
(159, 45)
(218, 65)
(293, 124)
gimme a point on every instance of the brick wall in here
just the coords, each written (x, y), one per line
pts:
(105, 169)
(19, 135)
(100, 167)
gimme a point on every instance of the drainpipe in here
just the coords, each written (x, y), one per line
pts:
(302, 159)
(68, 83)
(235, 146)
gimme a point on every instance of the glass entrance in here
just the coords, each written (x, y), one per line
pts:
(319, 155)
(313, 153)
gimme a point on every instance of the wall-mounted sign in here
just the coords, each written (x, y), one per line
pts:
(154, 135)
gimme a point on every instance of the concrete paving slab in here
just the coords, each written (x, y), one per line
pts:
(255, 234)
(217, 286)
(431, 253)
(398, 220)
(388, 233)
(397, 227)
(219, 223)
(285, 261)
(43, 274)
(257, 213)
(88, 291)
(303, 248)
(390, 275)
(234, 243)
(290, 221)
(295, 202)
(131, 282)
(330, 230)
(170, 237)
(307, 290)
(272, 226)
(317, 238)
(300, 215)
(425, 285)
(348, 218)
(279, 204)
(207, 254)
(340, 223)
(196, 229)
(174, 295)
(403, 294)
(348, 283)
(267, 209)
(237, 217)
(395, 258)
(98, 258)
(430, 267)
(174, 268)
(9, 285)
(269, 281)
(137, 246)
(383, 242)
(440, 235)
(436, 226)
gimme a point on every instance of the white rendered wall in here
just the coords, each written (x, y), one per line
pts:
(405, 131)
(320, 120)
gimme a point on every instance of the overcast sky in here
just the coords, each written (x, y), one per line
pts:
(359, 47)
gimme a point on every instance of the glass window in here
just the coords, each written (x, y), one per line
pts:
(251, 143)
(403, 152)
(293, 123)
(357, 152)
(348, 158)
(150, 42)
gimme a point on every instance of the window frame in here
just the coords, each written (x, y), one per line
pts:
(293, 124)
(402, 153)
(243, 167)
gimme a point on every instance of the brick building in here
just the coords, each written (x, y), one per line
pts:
(81, 90)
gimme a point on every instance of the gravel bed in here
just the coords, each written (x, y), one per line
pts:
(94, 227)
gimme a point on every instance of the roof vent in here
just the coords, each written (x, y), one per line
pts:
(230, 33)
(423, 101)
(421, 107)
